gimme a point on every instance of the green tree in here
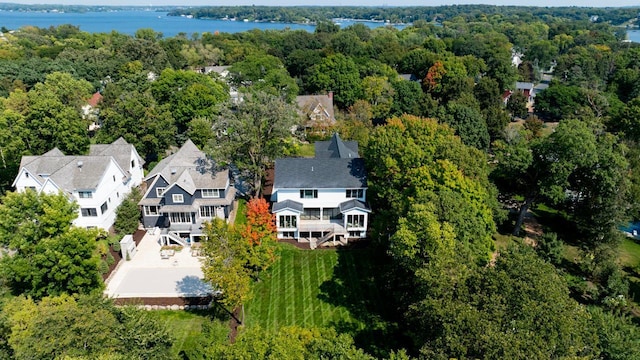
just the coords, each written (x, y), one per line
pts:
(412, 160)
(49, 256)
(254, 134)
(128, 213)
(517, 105)
(339, 74)
(188, 95)
(226, 255)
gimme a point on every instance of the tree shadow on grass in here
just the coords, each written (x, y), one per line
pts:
(358, 285)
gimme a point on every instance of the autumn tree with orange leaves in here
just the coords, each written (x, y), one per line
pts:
(260, 233)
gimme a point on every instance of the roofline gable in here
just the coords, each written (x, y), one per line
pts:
(24, 170)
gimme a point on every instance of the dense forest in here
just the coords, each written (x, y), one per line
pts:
(496, 222)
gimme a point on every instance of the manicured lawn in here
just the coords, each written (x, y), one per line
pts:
(241, 214)
(186, 327)
(315, 288)
(630, 253)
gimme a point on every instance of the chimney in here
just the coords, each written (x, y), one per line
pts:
(173, 170)
(80, 163)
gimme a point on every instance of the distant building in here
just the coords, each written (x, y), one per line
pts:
(316, 110)
(98, 182)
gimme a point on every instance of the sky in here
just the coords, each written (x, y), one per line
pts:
(612, 3)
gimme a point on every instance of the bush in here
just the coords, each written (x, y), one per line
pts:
(103, 267)
(550, 248)
(116, 247)
(110, 259)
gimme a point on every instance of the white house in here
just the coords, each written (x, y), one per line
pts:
(322, 198)
(98, 182)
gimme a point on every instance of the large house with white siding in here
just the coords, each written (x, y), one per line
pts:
(184, 190)
(322, 198)
(98, 182)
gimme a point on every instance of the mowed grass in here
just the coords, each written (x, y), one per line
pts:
(630, 253)
(186, 327)
(315, 288)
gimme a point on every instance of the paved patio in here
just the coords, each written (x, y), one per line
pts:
(148, 275)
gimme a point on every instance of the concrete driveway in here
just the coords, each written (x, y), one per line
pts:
(147, 275)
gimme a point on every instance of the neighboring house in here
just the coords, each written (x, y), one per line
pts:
(322, 198)
(183, 191)
(409, 77)
(316, 110)
(526, 88)
(98, 182)
(90, 111)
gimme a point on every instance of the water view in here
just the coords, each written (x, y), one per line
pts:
(128, 22)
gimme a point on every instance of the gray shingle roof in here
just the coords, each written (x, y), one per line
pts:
(119, 149)
(353, 204)
(70, 172)
(319, 173)
(288, 204)
(336, 148)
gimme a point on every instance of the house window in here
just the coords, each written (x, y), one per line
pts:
(288, 221)
(88, 212)
(159, 191)
(30, 188)
(207, 211)
(210, 193)
(308, 194)
(331, 214)
(355, 193)
(151, 210)
(177, 198)
(85, 194)
(288, 234)
(355, 221)
(114, 178)
(133, 164)
(184, 218)
(310, 214)
(103, 208)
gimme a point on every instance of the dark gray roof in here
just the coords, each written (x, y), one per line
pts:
(336, 148)
(319, 173)
(288, 204)
(353, 204)
(191, 168)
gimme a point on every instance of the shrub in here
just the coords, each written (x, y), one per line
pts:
(103, 267)
(110, 259)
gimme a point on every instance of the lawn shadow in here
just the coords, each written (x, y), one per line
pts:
(358, 285)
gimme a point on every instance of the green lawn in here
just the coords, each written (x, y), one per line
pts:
(241, 214)
(326, 288)
(186, 327)
(630, 253)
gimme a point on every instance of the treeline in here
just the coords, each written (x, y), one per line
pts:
(614, 16)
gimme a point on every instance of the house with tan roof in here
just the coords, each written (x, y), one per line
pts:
(316, 110)
(98, 182)
(184, 190)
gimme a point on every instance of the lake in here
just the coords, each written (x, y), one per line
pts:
(128, 22)
(634, 35)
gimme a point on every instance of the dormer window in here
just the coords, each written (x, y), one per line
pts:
(159, 191)
(177, 198)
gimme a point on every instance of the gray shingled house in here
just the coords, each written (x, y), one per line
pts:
(183, 191)
(322, 198)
